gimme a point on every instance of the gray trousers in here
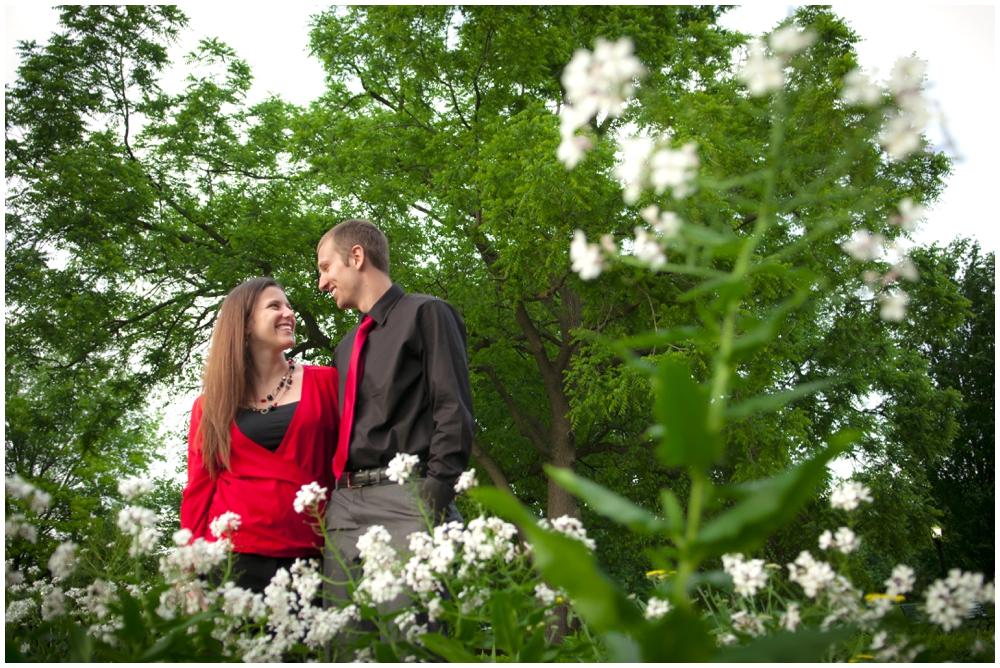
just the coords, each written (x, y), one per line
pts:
(351, 512)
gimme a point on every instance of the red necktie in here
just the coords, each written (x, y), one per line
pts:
(350, 392)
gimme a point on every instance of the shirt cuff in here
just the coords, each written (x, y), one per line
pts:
(436, 495)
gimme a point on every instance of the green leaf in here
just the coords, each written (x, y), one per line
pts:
(678, 636)
(568, 564)
(450, 650)
(134, 631)
(671, 508)
(384, 653)
(81, 645)
(682, 409)
(804, 646)
(622, 648)
(745, 526)
(758, 333)
(768, 402)
(533, 651)
(607, 503)
(505, 629)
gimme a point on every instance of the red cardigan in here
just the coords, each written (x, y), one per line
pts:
(261, 485)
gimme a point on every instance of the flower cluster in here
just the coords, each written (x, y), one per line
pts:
(585, 258)
(763, 74)
(949, 600)
(656, 608)
(596, 83)
(748, 576)
(401, 467)
(63, 560)
(198, 558)
(18, 488)
(466, 481)
(645, 164)
(812, 575)
(569, 527)
(225, 524)
(133, 489)
(850, 495)
(309, 497)
(844, 540)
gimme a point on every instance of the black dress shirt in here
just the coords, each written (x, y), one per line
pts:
(414, 396)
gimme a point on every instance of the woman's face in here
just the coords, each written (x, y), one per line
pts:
(272, 322)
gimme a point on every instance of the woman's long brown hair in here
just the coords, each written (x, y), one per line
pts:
(228, 377)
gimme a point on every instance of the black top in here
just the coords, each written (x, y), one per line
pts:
(266, 429)
(414, 396)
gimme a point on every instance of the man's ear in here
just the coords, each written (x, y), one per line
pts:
(357, 256)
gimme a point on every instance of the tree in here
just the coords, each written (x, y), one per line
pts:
(964, 481)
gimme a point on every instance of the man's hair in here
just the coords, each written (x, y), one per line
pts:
(359, 232)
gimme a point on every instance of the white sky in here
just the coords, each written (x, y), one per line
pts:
(958, 41)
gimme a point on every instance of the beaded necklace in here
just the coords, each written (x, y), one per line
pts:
(283, 386)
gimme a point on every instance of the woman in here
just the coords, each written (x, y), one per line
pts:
(263, 427)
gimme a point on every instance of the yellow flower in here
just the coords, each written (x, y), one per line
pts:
(773, 566)
(865, 656)
(659, 574)
(559, 599)
(872, 597)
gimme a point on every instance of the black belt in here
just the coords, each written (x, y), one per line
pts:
(367, 477)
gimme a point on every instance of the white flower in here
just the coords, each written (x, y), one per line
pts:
(585, 257)
(865, 246)
(225, 524)
(812, 575)
(309, 497)
(633, 168)
(401, 467)
(53, 605)
(435, 608)
(466, 481)
(18, 487)
(16, 526)
(182, 537)
(572, 149)
(199, 557)
(132, 489)
(595, 83)
(648, 249)
(747, 622)
(910, 214)
(791, 618)
(901, 581)
(894, 306)
(63, 560)
(545, 595)
(571, 527)
(907, 74)
(850, 495)
(656, 608)
(421, 544)
(726, 639)
(40, 500)
(949, 600)
(145, 542)
(761, 74)
(858, 89)
(846, 541)
(748, 576)
(825, 540)
(790, 39)
(134, 519)
(674, 169)
(18, 610)
(901, 136)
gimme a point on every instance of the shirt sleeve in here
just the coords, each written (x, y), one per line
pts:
(446, 367)
(196, 499)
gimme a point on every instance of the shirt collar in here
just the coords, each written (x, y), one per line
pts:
(380, 311)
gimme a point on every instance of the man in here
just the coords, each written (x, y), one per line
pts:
(411, 395)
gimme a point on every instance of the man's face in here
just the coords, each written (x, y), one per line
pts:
(340, 280)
